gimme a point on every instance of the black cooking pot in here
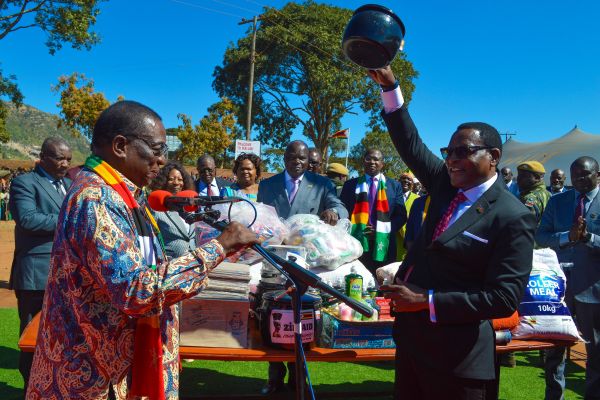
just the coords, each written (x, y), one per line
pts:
(373, 36)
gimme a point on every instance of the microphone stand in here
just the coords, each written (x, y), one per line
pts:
(301, 280)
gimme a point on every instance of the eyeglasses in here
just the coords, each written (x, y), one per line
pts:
(161, 151)
(461, 152)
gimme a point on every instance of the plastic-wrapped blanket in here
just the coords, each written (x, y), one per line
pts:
(267, 225)
(327, 246)
(543, 312)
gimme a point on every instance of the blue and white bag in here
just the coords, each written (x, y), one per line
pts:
(543, 312)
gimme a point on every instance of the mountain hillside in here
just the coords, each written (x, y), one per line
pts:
(28, 127)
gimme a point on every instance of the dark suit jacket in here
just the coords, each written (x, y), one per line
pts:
(221, 183)
(473, 280)
(315, 195)
(584, 275)
(34, 204)
(395, 203)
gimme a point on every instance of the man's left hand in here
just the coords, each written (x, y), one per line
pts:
(406, 297)
(329, 217)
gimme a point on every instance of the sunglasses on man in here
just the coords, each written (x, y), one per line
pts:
(461, 152)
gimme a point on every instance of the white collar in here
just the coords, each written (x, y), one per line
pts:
(475, 192)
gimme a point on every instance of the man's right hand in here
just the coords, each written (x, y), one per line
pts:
(236, 237)
(383, 76)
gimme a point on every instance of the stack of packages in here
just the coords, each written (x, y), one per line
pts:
(229, 281)
(218, 316)
(384, 308)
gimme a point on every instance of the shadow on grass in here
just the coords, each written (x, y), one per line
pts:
(9, 358)
(201, 383)
(9, 392)
(574, 374)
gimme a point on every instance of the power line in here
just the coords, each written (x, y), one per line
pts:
(206, 8)
(292, 22)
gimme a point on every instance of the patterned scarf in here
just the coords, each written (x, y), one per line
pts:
(146, 370)
(360, 218)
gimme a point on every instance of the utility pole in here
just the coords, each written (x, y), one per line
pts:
(507, 135)
(251, 84)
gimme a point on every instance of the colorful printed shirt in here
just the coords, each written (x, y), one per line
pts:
(98, 286)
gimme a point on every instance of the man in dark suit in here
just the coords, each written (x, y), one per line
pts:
(469, 264)
(571, 226)
(297, 191)
(208, 183)
(35, 200)
(396, 214)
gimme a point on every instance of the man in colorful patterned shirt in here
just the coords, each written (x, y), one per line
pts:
(110, 316)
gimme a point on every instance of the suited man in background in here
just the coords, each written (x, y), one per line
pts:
(386, 221)
(208, 183)
(571, 226)
(469, 264)
(35, 201)
(557, 182)
(315, 161)
(297, 191)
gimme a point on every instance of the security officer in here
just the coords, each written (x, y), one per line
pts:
(338, 174)
(533, 192)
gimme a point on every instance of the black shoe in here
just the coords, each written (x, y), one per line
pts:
(273, 387)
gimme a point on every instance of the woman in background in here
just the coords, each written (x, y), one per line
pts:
(177, 234)
(247, 169)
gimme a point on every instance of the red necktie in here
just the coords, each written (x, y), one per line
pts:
(445, 221)
(580, 209)
(209, 191)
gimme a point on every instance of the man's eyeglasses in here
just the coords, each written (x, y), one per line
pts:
(162, 150)
(461, 152)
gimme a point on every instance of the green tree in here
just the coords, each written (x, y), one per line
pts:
(301, 76)
(377, 139)
(80, 104)
(213, 135)
(8, 88)
(63, 21)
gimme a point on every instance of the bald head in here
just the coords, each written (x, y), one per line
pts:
(207, 168)
(296, 158)
(507, 175)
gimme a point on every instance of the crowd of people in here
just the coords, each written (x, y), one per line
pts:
(108, 275)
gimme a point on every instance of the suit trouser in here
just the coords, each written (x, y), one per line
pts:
(588, 321)
(29, 303)
(277, 372)
(416, 382)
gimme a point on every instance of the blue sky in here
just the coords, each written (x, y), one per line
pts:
(526, 67)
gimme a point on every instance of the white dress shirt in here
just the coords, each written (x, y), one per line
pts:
(203, 188)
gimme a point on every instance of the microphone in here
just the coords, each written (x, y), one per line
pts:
(162, 200)
(188, 200)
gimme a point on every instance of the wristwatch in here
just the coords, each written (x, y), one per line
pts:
(389, 88)
(587, 238)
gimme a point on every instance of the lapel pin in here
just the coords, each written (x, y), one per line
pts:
(479, 209)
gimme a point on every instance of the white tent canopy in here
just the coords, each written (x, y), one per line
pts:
(557, 153)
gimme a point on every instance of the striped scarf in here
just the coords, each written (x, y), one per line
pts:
(360, 218)
(146, 370)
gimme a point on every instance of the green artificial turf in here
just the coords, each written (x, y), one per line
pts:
(525, 382)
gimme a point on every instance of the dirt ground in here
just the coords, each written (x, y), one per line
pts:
(7, 247)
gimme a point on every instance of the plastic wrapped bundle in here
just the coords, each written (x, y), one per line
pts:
(267, 225)
(327, 246)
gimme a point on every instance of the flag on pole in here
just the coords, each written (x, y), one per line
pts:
(343, 134)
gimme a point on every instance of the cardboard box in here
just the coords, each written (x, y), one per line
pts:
(209, 322)
(338, 334)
